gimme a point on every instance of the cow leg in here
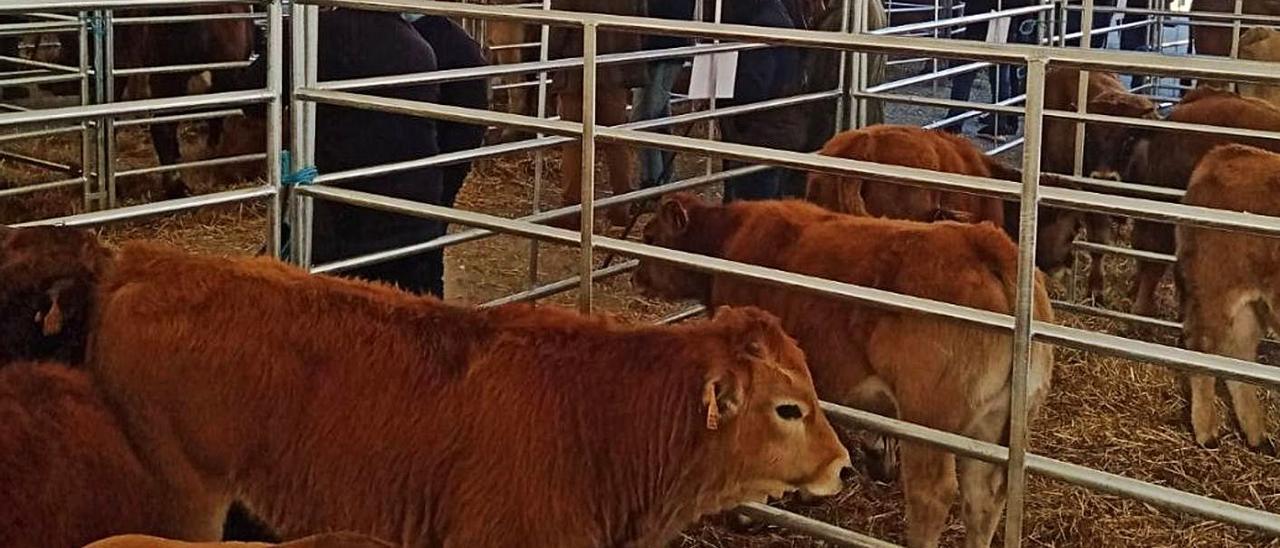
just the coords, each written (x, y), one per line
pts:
(880, 450)
(164, 137)
(1098, 230)
(982, 484)
(1150, 274)
(1225, 325)
(929, 483)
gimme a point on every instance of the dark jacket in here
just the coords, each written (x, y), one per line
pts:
(766, 73)
(680, 10)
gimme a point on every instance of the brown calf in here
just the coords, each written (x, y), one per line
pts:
(68, 473)
(333, 404)
(1230, 283)
(930, 371)
(1261, 44)
(1178, 154)
(1107, 152)
(327, 540)
(47, 278)
(907, 146)
(912, 146)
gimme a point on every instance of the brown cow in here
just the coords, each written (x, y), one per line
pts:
(1230, 283)
(912, 146)
(327, 540)
(47, 278)
(907, 146)
(334, 404)
(68, 473)
(1179, 151)
(926, 370)
(1261, 44)
(1216, 40)
(1107, 152)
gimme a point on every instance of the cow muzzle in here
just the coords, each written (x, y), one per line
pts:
(830, 479)
(1106, 175)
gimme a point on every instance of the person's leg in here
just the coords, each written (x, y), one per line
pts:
(962, 84)
(612, 111)
(650, 102)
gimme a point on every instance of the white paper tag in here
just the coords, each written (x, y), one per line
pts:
(726, 73)
(998, 30)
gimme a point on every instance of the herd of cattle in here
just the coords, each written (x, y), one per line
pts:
(149, 394)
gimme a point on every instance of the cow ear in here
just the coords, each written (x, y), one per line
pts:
(673, 214)
(723, 397)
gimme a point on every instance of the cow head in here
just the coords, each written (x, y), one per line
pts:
(1108, 147)
(47, 280)
(670, 228)
(762, 414)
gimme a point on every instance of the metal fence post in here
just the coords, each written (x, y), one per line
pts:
(590, 70)
(275, 84)
(1023, 318)
(540, 156)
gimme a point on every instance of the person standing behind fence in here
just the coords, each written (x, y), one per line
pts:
(1003, 78)
(654, 100)
(613, 89)
(454, 49)
(762, 74)
(358, 44)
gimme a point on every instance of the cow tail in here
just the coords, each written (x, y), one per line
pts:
(993, 248)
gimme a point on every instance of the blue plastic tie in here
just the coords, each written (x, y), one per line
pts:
(302, 177)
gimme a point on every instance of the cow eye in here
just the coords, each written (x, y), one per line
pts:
(789, 412)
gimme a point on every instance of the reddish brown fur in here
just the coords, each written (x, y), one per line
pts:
(907, 146)
(1107, 152)
(68, 474)
(926, 370)
(1179, 152)
(1230, 283)
(1214, 40)
(47, 276)
(334, 404)
(328, 540)
(1261, 44)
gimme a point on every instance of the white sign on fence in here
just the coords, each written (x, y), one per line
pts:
(726, 72)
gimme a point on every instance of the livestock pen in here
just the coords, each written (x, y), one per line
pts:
(1108, 410)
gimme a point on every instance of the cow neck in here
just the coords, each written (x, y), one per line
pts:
(663, 480)
(711, 226)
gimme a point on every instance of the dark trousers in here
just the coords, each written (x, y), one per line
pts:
(1006, 80)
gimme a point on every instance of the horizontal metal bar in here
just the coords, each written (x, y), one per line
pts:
(567, 284)
(440, 160)
(188, 117)
(964, 20)
(175, 69)
(525, 45)
(19, 6)
(489, 71)
(927, 77)
(1163, 497)
(35, 80)
(1174, 16)
(1163, 124)
(156, 208)
(38, 64)
(195, 18)
(211, 162)
(1149, 191)
(37, 27)
(820, 530)
(128, 108)
(1106, 60)
(38, 162)
(9, 137)
(1127, 252)
(41, 187)
(1126, 317)
(691, 312)
(940, 103)
(540, 217)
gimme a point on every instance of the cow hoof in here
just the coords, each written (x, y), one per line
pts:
(175, 190)
(572, 222)
(1267, 447)
(1208, 442)
(743, 524)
